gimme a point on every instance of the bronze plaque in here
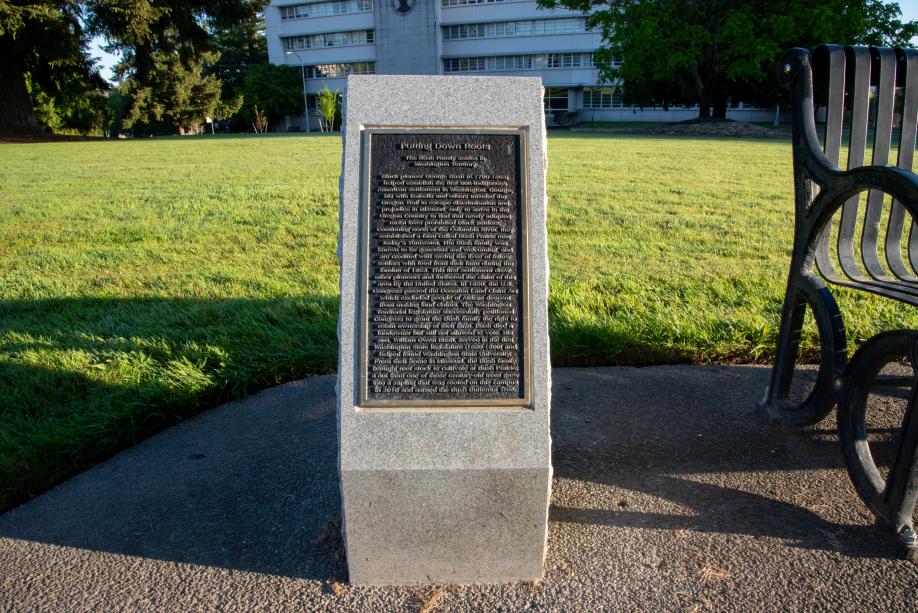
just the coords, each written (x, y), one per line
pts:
(444, 313)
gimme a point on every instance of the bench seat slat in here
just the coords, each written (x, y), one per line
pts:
(875, 288)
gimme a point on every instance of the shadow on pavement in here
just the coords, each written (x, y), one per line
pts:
(253, 485)
(668, 432)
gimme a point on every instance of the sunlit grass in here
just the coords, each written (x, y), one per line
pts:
(144, 281)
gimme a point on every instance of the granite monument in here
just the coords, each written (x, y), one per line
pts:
(444, 379)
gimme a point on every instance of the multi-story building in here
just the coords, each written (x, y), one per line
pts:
(330, 39)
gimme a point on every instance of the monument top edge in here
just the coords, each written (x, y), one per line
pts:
(444, 100)
(443, 79)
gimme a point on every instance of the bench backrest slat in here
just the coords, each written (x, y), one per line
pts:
(859, 65)
(885, 98)
(870, 92)
(908, 79)
(835, 118)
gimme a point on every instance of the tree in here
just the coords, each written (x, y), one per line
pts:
(705, 51)
(241, 46)
(260, 123)
(73, 104)
(119, 103)
(275, 90)
(328, 105)
(179, 93)
(42, 38)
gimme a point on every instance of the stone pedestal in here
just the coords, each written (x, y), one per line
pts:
(443, 379)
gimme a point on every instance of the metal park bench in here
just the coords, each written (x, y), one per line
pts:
(855, 228)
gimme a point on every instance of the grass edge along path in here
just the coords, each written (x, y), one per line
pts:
(146, 281)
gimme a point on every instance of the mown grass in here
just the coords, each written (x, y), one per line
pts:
(145, 281)
(618, 124)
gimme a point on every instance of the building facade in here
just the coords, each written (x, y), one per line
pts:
(330, 39)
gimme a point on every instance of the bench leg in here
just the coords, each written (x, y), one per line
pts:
(891, 500)
(806, 292)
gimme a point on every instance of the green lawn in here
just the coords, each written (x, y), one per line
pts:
(618, 124)
(143, 281)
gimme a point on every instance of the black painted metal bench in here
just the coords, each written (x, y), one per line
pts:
(854, 228)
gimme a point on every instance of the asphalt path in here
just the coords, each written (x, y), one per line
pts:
(670, 493)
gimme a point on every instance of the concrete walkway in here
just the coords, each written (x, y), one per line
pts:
(670, 493)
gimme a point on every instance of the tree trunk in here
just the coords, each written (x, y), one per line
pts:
(704, 107)
(15, 106)
(720, 107)
(704, 98)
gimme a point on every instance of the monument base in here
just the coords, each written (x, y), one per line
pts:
(445, 526)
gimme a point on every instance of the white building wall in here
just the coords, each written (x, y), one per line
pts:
(334, 55)
(510, 45)
(498, 11)
(272, 35)
(399, 55)
(336, 23)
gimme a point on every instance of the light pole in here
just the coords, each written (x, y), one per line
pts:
(303, 75)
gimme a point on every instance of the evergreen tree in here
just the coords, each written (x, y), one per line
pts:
(42, 39)
(241, 46)
(180, 94)
(46, 41)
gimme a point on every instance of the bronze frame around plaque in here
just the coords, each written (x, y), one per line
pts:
(363, 255)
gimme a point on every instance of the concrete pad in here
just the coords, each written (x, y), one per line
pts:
(669, 493)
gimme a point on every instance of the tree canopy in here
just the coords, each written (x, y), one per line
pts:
(241, 46)
(669, 52)
(44, 43)
(179, 93)
(275, 90)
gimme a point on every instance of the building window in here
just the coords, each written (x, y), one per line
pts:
(507, 62)
(555, 99)
(330, 39)
(325, 9)
(323, 71)
(449, 3)
(602, 97)
(518, 62)
(514, 28)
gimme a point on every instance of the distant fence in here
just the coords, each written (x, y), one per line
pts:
(298, 123)
(674, 114)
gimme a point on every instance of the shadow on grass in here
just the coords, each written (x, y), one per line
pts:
(237, 136)
(599, 344)
(83, 378)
